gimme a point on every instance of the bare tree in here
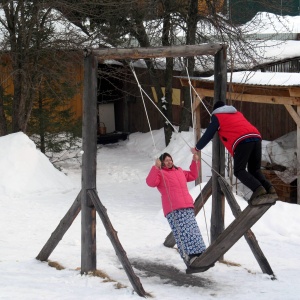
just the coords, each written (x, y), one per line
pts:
(159, 22)
(30, 38)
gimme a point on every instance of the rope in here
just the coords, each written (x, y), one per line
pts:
(161, 172)
(143, 91)
(191, 97)
(191, 86)
(193, 124)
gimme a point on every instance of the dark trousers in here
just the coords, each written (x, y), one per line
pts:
(249, 155)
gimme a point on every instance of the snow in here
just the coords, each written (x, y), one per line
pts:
(274, 50)
(27, 174)
(35, 196)
(259, 78)
(269, 23)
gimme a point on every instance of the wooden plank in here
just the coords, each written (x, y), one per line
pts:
(249, 235)
(294, 91)
(60, 230)
(155, 52)
(272, 99)
(248, 217)
(89, 158)
(113, 236)
(293, 114)
(199, 203)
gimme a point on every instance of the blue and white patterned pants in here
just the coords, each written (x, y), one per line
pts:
(186, 232)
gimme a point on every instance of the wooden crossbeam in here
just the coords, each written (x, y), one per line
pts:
(155, 52)
(271, 99)
(248, 217)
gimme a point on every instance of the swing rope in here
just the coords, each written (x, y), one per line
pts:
(142, 96)
(143, 92)
(194, 90)
(186, 257)
(168, 121)
(193, 124)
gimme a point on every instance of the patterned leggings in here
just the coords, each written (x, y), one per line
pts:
(186, 232)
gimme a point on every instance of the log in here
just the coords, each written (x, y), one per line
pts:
(60, 230)
(218, 150)
(249, 235)
(199, 203)
(89, 165)
(113, 236)
(155, 52)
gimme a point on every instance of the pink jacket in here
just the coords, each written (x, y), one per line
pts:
(171, 183)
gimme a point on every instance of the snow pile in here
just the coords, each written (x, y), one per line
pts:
(283, 152)
(25, 170)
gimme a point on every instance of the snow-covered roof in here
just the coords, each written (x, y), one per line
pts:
(274, 50)
(258, 78)
(268, 23)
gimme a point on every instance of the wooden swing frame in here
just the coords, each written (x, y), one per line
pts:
(88, 201)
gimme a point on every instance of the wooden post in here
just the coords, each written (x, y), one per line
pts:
(298, 157)
(296, 117)
(89, 144)
(218, 155)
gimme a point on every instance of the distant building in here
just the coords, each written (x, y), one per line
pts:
(242, 11)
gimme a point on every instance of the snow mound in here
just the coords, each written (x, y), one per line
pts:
(25, 170)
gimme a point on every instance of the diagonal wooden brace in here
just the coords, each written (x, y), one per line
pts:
(113, 236)
(249, 235)
(246, 219)
(61, 229)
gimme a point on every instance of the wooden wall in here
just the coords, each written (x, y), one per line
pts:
(272, 120)
(291, 65)
(75, 71)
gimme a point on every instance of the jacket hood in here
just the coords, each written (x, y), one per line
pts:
(226, 109)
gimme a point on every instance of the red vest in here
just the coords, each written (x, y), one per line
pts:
(234, 128)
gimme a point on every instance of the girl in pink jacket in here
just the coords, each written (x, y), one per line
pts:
(177, 203)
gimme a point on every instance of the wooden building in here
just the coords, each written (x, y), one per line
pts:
(267, 92)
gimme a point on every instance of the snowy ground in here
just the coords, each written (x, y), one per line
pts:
(35, 197)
